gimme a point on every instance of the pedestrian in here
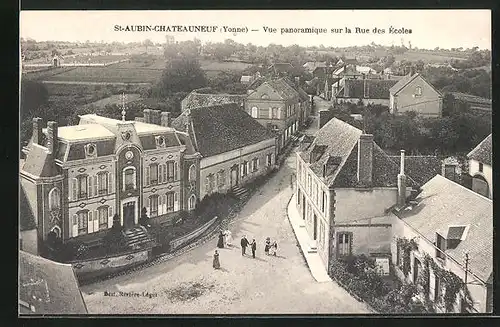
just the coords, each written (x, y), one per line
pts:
(220, 243)
(267, 246)
(229, 239)
(216, 263)
(244, 244)
(254, 248)
(274, 248)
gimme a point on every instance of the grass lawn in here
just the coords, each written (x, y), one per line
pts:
(108, 74)
(210, 65)
(114, 99)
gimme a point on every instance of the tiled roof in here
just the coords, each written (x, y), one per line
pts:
(256, 83)
(312, 65)
(472, 99)
(40, 163)
(421, 168)
(482, 152)
(222, 128)
(341, 140)
(444, 203)
(281, 67)
(402, 83)
(194, 99)
(54, 285)
(283, 89)
(375, 88)
(302, 94)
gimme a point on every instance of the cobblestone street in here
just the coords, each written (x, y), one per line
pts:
(265, 285)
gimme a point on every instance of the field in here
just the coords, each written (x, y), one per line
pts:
(410, 55)
(114, 99)
(209, 65)
(109, 74)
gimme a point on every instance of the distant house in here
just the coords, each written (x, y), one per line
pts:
(346, 186)
(481, 168)
(453, 231)
(195, 99)
(276, 105)
(310, 66)
(48, 287)
(280, 69)
(414, 93)
(255, 84)
(304, 103)
(370, 91)
(234, 147)
(247, 79)
(476, 103)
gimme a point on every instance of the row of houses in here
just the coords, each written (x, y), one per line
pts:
(353, 198)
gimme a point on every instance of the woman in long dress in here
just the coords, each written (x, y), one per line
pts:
(220, 243)
(268, 245)
(216, 262)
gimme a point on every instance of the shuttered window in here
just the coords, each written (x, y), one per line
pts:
(153, 174)
(170, 201)
(111, 187)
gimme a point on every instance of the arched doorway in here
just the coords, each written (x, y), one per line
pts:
(480, 185)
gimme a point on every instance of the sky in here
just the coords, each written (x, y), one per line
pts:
(430, 28)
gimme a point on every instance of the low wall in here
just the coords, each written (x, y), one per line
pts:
(180, 241)
(96, 267)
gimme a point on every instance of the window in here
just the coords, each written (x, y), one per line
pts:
(437, 288)
(170, 171)
(255, 112)
(82, 187)
(344, 244)
(153, 174)
(54, 199)
(322, 234)
(221, 178)
(418, 91)
(481, 167)
(102, 181)
(269, 159)
(441, 246)
(274, 113)
(162, 173)
(192, 173)
(170, 201)
(129, 178)
(244, 169)
(82, 221)
(153, 205)
(255, 164)
(323, 202)
(103, 217)
(309, 184)
(192, 202)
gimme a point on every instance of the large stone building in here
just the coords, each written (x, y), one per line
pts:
(346, 185)
(233, 147)
(77, 178)
(277, 106)
(414, 93)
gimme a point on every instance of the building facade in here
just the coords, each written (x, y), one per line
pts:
(234, 148)
(276, 106)
(414, 93)
(77, 179)
(453, 228)
(481, 169)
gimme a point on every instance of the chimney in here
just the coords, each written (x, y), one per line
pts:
(166, 120)
(147, 116)
(52, 136)
(37, 130)
(156, 117)
(297, 80)
(188, 123)
(402, 182)
(365, 160)
(324, 170)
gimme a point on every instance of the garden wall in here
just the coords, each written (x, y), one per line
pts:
(106, 265)
(180, 241)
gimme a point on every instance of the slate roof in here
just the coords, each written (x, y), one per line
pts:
(302, 94)
(341, 139)
(84, 132)
(421, 168)
(375, 89)
(443, 203)
(482, 152)
(312, 65)
(284, 90)
(194, 99)
(54, 285)
(256, 83)
(281, 67)
(221, 128)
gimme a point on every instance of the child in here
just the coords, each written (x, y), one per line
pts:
(273, 248)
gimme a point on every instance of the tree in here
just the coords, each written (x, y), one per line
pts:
(147, 43)
(181, 75)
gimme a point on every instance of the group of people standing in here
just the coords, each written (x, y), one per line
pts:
(225, 240)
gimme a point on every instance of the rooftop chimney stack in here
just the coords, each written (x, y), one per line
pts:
(365, 160)
(156, 117)
(402, 182)
(147, 116)
(166, 120)
(37, 130)
(52, 136)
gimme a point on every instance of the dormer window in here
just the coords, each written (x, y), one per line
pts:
(418, 91)
(90, 150)
(480, 167)
(160, 141)
(264, 96)
(456, 234)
